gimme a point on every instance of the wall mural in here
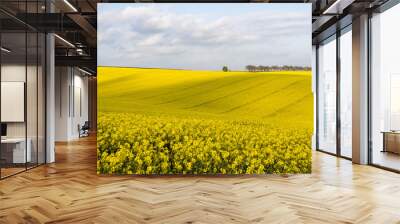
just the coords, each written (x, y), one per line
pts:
(204, 89)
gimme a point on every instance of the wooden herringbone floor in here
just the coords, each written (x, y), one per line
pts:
(69, 191)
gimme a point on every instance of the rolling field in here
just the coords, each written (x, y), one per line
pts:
(281, 96)
(160, 121)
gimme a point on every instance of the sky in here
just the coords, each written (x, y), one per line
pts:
(203, 36)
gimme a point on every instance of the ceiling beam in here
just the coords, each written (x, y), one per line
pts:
(86, 27)
(337, 6)
(81, 61)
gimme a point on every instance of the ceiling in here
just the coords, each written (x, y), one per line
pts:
(75, 21)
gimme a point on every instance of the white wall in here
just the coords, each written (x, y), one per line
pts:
(80, 110)
(13, 72)
(71, 87)
(62, 82)
(33, 127)
(17, 72)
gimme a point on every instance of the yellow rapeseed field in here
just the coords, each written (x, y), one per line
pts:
(160, 121)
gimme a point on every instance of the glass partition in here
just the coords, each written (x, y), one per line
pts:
(346, 93)
(41, 97)
(385, 89)
(14, 153)
(22, 77)
(31, 99)
(327, 96)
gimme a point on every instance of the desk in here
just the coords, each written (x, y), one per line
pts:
(391, 141)
(13, 150)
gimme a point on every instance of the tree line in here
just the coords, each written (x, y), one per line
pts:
(261, 68)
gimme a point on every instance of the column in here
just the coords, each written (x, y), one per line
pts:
(360, 90)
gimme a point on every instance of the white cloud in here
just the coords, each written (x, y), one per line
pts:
(153, 36)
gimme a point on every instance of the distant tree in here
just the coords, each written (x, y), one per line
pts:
(260, 68)
(225, 68)
(251, 68)
(248, 68)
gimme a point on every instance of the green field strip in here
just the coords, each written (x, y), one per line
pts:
(134, 107)
(182, 98)
(226, 96)
(259, 98)
(278, 100)
(271, 97)
(268, 107)
(303, 109)
(220, 85)
(252, 95)
(148, 92)
(288, 105)
(225, 99)
(232, 94)
(218, 95)
(147, 80)
(220, 82)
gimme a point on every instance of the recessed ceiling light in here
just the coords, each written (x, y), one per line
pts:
(5, 50)
(86, 72)
(338, 6)
(64, 40)
(70, 5)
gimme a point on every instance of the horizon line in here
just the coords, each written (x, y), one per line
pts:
(182, 69)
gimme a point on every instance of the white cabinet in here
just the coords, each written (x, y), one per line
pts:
(19, 155)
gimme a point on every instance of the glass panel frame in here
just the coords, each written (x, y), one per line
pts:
(327, 96)
(334, 92)
(384, 125)
(14, 147)
(345, 55)
(26, 57)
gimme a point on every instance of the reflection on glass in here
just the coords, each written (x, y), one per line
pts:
(394, 102)
(327, 96)
(14, 153)
(22, 91)
(41, 98)
(386, 89)
(346, 94)
(31, 108)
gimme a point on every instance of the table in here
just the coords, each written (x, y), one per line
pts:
(13, 150)
(391, 141)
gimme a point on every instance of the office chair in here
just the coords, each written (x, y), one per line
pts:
(84, 130)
